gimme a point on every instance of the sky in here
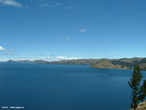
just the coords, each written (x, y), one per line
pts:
(55, 30)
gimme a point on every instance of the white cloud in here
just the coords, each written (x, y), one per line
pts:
(61, 57)
(9, 54)
(58, 58)
(53, 55)
(41, 54)
(1, 48)
(26, 7)
(82, 30)
(67, 38)
(49, 58)
(31, 59)
(44, 5)
(11, 2)
(52, 58)
(103, 16)
(58, 4)
(73, 58)
(12, 49)
(66, 58)
(69, 7)
(52, 5)
(3, 59)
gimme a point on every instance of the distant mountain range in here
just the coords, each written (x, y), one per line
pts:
(124, 63)
(71, 62)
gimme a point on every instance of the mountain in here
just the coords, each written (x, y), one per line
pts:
(40, 61)
(142, 61)
(29, 61)
(107, 64)
(142, 64)
(76, 62)
(11, 61)
(73, 62)
(23, 61)
(124, 63)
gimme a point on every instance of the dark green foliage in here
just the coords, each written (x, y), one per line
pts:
(138, 92)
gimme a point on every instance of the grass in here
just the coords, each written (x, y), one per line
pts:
(141, 106)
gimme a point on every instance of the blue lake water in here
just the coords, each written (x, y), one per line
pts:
(64, 87)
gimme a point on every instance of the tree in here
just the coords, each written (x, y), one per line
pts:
(138, 92)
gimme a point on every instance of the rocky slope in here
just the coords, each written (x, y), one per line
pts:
(141, 106)
(73, 62)
(108, 65)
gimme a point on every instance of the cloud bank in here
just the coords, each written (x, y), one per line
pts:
(50, 58)
(3, 59)
(82, 30)
(67, 38)
(1, 48)
(69, 7)
(58, 58)
(66, 58)
(103, 16)
(11, 2)
(47, 5)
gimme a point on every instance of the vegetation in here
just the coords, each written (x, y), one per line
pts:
(108, 64)
(138, 92)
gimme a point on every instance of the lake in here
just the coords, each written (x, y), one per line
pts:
(63, 87)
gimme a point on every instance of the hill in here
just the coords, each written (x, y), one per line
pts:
(76, 62)
(107, 64)
(71, 62)
(142, 64)
(124, 63)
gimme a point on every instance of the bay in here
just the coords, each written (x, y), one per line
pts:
(64, 87)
